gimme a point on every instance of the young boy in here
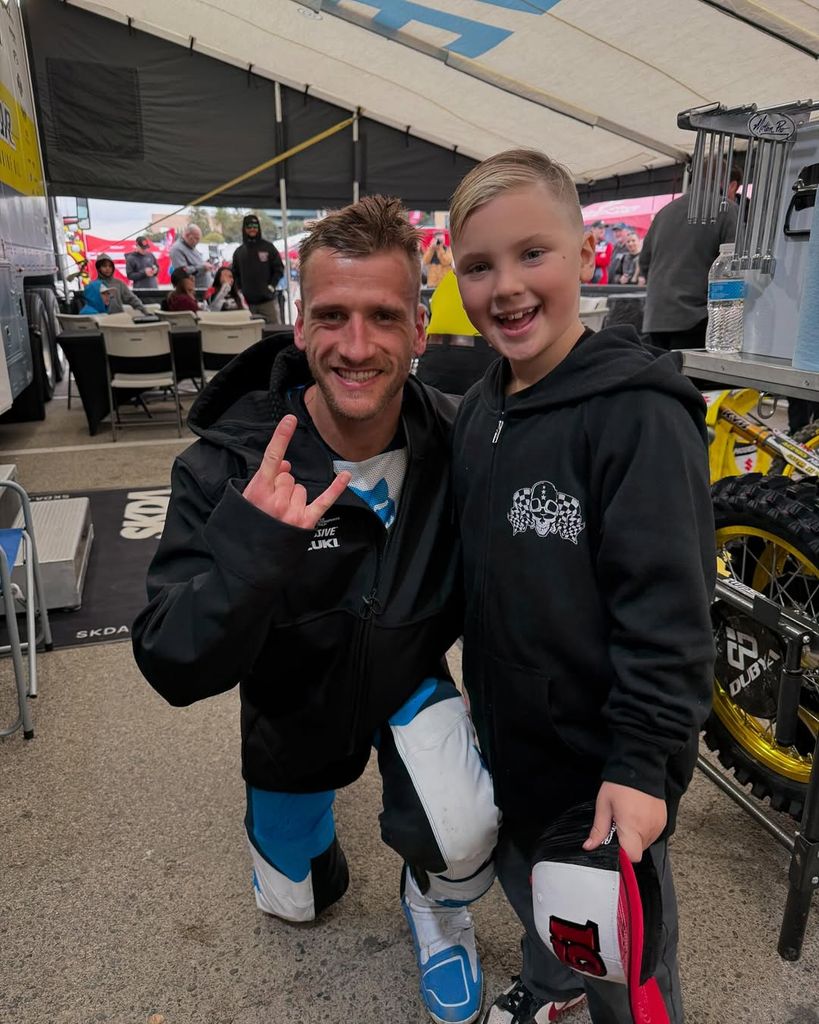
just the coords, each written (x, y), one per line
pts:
(581, 482)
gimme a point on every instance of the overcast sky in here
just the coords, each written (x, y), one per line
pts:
(114, 220)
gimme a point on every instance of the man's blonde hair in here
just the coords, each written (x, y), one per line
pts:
(512, 169)
(374, 224)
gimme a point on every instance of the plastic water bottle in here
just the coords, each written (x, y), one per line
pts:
(726, 302)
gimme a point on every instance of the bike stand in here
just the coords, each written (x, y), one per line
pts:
(796, 631)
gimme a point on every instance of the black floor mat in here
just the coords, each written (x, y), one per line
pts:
(127, 528)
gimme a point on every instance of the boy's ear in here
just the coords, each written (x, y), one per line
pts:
(587, 258)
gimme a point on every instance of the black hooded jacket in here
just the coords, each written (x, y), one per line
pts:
(257, 267)
(589, 558)
(327, 632)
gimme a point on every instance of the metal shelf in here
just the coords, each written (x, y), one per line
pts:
(743, 369)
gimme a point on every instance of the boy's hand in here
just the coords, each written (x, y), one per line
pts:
(640, 819)
(274, 490)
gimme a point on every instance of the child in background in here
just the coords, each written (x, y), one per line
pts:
(581, 483)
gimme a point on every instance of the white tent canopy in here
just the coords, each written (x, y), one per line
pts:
(595, 83)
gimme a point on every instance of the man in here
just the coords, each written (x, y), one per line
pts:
(319, 568)
(602, 253)
(625, 265)
(141, 265)
(120, 295)
(620, 232)
(183, 253)
(675, 261)
(257, 268)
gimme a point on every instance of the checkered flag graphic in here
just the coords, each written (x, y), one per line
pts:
(520, 515)
(570, 522)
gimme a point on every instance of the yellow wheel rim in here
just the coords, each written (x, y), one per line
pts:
(766, 570)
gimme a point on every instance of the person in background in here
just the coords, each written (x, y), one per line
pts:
(120, 294)
(587, 649)
(602, 253)
(183, 296)
(437, 261)
(258, 267)
(456, 355)
(675, 260)
(620, 232)
(141, 265)
(97, 297)
(183, 253)
(224, 294)
(625, 265)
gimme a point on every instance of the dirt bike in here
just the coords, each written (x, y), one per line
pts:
(766, 510)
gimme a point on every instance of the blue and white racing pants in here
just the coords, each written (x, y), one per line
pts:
(438, 814)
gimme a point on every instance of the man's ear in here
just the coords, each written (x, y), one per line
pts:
(587, 257)
(298, 326)
(419, 343)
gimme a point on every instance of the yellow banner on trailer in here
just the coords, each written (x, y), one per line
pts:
(19, 148)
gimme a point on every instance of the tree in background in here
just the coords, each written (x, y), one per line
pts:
(200, 217)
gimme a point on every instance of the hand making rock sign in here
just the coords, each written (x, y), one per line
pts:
(274, 490)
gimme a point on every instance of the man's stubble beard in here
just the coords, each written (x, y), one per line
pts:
(396, 387)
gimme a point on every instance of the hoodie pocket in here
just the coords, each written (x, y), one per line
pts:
(535, 768)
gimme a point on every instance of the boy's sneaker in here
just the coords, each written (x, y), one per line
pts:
(517, 1005)
(444, 937)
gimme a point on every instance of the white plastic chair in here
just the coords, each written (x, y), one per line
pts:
(139, 342)
(593, 311)
(225, 316)
(116, 318)
(18, 543)
(72, 323)
(184, 318)
(221, 341)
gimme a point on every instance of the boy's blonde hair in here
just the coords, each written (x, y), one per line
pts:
(514, 168)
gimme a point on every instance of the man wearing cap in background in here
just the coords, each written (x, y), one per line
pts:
(141, 265)
(620, 248)
(120, 294)
(258, 267)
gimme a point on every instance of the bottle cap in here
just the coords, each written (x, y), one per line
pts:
(725, 248)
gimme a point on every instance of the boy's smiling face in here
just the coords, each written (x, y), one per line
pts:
(520, 259)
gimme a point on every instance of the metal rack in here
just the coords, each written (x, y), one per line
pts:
(748, 370)
(796, 632)
(779, 142)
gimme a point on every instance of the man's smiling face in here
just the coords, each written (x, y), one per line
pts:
(360, 325)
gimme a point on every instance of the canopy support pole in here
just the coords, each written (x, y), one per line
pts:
(356, 158)
(283, 200)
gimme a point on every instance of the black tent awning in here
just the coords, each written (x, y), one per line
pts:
(126, 115)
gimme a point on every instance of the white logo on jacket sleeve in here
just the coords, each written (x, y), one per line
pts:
(546, 510)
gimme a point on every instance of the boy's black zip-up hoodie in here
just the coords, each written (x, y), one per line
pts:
(589, 557)
(327, 632)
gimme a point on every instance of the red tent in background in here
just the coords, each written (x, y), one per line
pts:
(96, 246)
(634, 213)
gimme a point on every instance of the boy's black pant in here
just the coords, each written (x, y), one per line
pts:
(546, 977)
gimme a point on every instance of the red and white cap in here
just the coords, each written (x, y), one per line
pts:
(600, 914)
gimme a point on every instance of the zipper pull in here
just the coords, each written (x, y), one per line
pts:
(498, 430)
(372, 605)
